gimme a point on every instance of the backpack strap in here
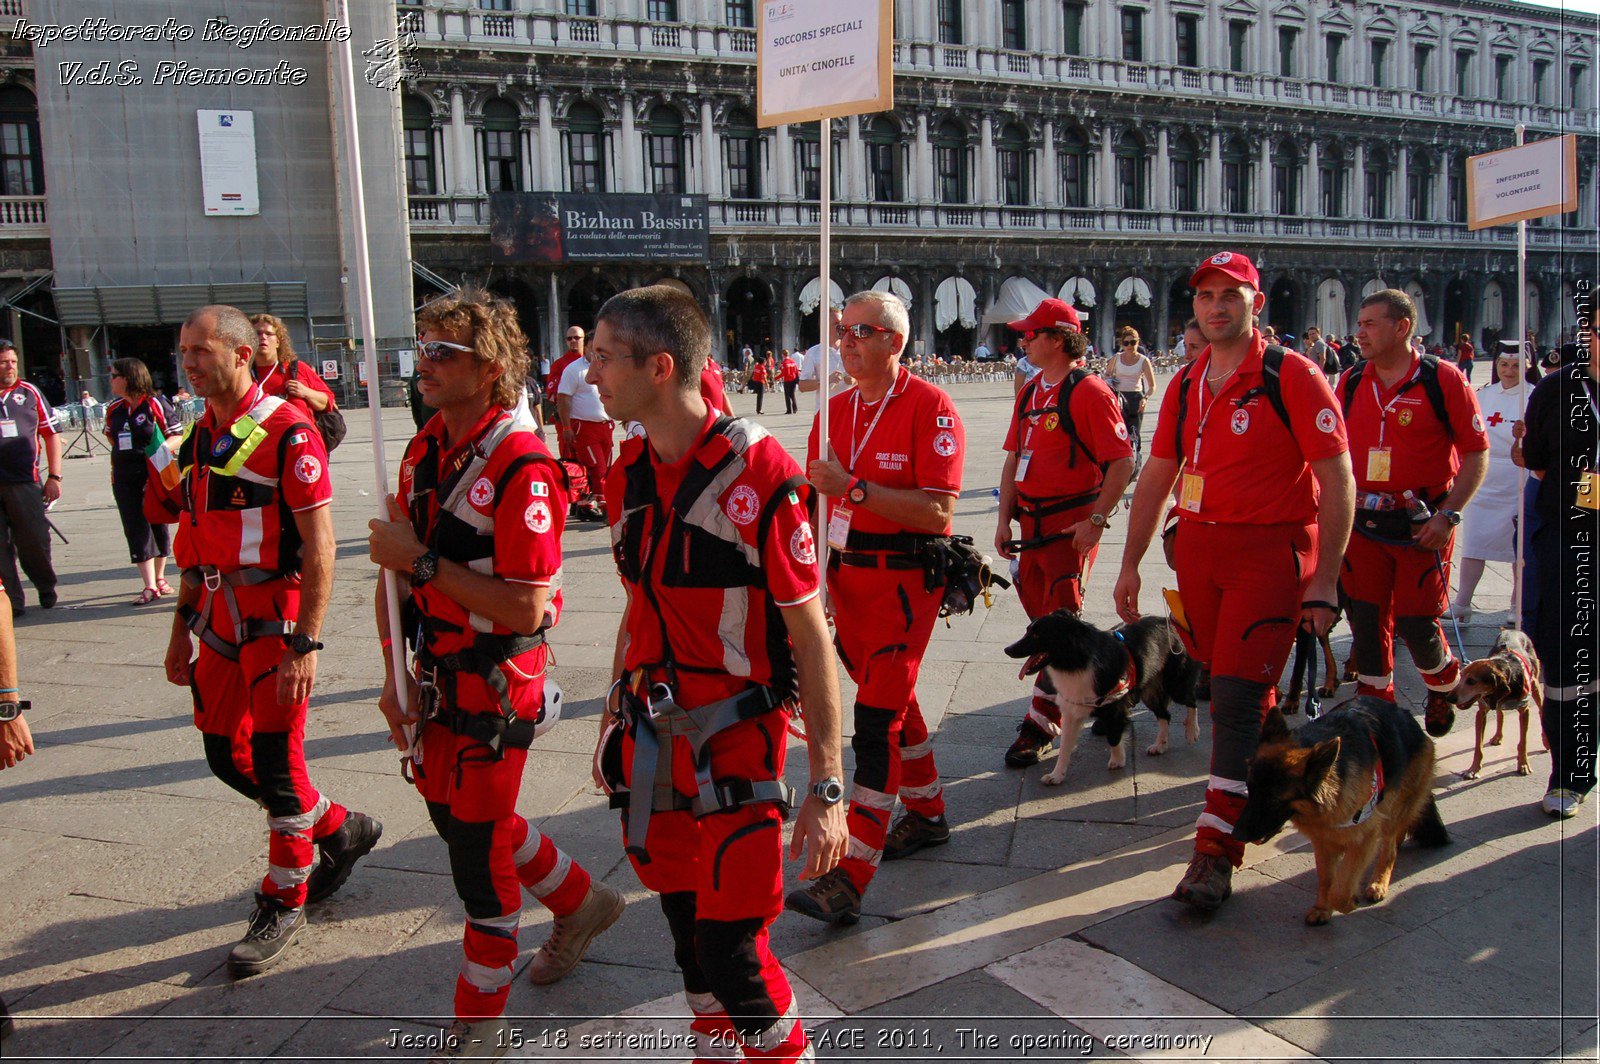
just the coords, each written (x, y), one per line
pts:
(1062, 411)
(1182, 384)
(1427, 377)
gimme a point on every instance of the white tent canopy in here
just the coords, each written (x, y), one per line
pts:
(1377, 284)
(1133, 290)
(895, 285)
(1414, 290)
(1018, 296)
(1494, 306)
(1331, 314)
(954, 301)
(809, 297)
(1078, 292)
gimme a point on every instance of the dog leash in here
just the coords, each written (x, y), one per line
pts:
(1455, 622)
(1305, 667)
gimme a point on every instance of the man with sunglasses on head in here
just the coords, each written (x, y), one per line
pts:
(723, 627)
(570, 353)
(891, 471)
(475, 533)
(256, 544)
(1068, 459)
(585, 432)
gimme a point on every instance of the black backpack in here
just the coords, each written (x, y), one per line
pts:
(1063, 416)
(1270, 386)
(1427, 376)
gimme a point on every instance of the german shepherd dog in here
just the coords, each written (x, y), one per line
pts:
(1508, 679)
(1355, 781)
(1105, 674)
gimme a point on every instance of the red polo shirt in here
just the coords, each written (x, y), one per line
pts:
(1254, 470)
(911, 438)
(1423, 456)
(1057, 468)
(711, 388)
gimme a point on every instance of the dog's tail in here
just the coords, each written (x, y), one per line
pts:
(1429, 830)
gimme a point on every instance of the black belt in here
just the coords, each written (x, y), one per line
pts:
(1026, 508)
(873, 561)
(491, 729)
(894, 542)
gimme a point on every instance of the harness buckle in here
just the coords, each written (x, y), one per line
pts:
(659, 693)
(212, 578)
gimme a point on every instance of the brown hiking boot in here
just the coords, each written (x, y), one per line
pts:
(571, 935)
(1439, 713)
(1032, 745)
(831, 898)
(1207, 883)
(915, 832)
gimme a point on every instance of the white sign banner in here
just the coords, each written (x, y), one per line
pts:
(228, 163)
(823, 59)
(330, 369)
(1514, 184)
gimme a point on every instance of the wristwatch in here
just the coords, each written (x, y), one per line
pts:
(1451, 516)
(858, 491)
(1099, 520)
(830, 790)
(10, 711)
(303, 644)
(425, 568)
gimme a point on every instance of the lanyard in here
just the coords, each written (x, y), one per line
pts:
(855, 416)
(1041, 408)
(1206, 408)
(1383, 410)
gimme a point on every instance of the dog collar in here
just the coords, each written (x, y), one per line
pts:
(1527, 671)
(1129, 681)
(1377, 790)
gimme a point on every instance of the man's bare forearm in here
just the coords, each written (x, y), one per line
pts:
(1336, 512)
(316, 568)
(818, 674)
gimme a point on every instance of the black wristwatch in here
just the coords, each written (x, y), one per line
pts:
(830, 790)
(303, 644)
(1099, 520)
(10, 711)
(1452, 516)
(425, 568)
(858, 491)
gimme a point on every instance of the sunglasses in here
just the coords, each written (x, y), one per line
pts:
(440, 350)
(574, 339)
(860, 330)
(1032, 333)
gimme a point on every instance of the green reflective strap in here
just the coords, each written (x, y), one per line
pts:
(250, 433)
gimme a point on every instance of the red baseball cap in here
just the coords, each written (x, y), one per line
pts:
(1049, 314)
(1232, 264)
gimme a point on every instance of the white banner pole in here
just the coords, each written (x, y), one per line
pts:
(1517, 536)
(824, 322)
(369, 341)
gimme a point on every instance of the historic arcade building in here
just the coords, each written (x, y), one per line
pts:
(1089, 148)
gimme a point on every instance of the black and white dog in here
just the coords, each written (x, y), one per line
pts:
(1105, 674)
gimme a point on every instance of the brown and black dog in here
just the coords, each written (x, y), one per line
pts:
(1508, 679)
(1355, 781)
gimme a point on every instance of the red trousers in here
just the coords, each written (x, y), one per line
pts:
(1051, 577)
(256, 744)
(495, 854)
(1241, 586)
(720, 878)
(1392, 589)
(591, 448)
(884, 619)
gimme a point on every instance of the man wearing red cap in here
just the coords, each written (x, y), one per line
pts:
(1068, 460)
(1264, 511)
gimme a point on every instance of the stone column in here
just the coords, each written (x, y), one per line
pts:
(922, 189)
(1049, 176)
(1214, 175)
(711, 154)
(1441, 187)
(1108, 169)
(1163, 176)
(463, 156)
(549, 147)
(631, 160)
(1162, 281)
(1263, 189)
(1309, 204)
(988, 190)
(1358, 194)
(1400, 186)
(855, 163)
(783, 164)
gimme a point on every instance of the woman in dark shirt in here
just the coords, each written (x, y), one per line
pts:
(133, 419)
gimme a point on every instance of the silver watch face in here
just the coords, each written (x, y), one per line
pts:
(10, 711)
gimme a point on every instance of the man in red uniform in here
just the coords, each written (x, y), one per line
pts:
(1263, 515)
(552, 384)
(891, 470)
(723, 624)
(1068, 459)
(255, 540)
(476, 529)
(712, 389)
(1409, 455)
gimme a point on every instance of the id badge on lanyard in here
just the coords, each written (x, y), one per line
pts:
(125, 440)
(839, 527)
(1379, 462)
(1022, 464)
(1189, 492)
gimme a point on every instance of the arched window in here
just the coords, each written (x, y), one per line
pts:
(1012, 147)
(1332, 167)
(416, 121)
(1186, 173)
(741, 145)
(1419, 187)
(950, 162)
(586, 149)
(1236, 176)
(1077, 168)
(885, 168)
(1133, 172)
(1286, 179)
(664, 145)
(1377, 183)
(502, 150)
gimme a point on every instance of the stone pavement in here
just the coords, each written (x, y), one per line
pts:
(1041, 931)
